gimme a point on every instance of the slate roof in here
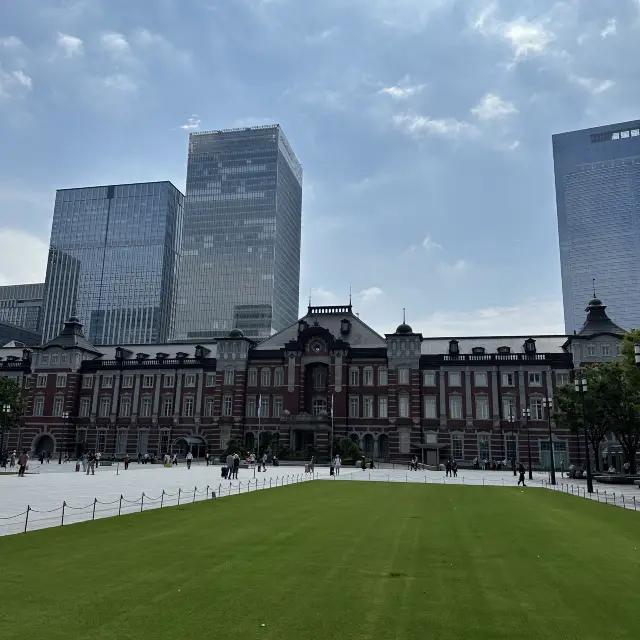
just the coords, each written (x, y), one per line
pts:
(72, 337)
(598, 321)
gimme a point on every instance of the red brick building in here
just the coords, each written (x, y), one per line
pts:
(397, 395)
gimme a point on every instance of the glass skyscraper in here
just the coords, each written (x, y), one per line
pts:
(113, 262)
(21, 305)
(597, 174)
(240, 265)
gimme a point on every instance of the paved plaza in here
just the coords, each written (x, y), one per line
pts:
(46, 487)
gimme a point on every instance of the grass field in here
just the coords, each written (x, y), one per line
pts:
(334, 560)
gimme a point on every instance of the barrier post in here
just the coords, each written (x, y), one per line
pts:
(239, 486)
(207, 496)
(634, 508)
(26, 520)
(95, 502)
(120, 505)
(162, 499)
(64, 504)
(614, 497)
(142, 502)
(195, 489)
(179, 491)
(269, 483)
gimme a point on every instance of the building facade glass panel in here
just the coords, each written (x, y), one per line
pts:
(21, 305)
(113, 262)
(240, 263)
(597, 176)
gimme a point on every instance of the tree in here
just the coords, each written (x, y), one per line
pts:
(11, 397)
(569, 412)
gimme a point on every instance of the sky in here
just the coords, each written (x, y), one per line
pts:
(424, 129)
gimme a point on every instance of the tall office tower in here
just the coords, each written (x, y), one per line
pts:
(240, 265)
(597, 175)
(113, 262)
(21, 305)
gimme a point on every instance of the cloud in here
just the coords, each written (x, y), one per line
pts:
(119, 82)
(10, 42)
(147, 40)
(420, 126)
(429, 244)
(23, 257)
(250, 121)
(322, 297)
(12, 82)
(402, 92)
(192, 123)
(493, 107)
(611, 29)
(530, 317)
(370, 295)
(591, 84)
(69, 46)
(115, 43)
(323, 36)
(458, 268)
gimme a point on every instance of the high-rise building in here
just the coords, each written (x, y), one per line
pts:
(113, 262)
(597, 174)
(240, 265)
(21, 305)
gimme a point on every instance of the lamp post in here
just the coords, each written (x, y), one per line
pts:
(65, 417)
(548, 404)
(581, 386)
(526, 414)
(512, 420)
(6, 410)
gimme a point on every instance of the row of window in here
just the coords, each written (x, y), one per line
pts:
(148, 381)
(536, 406)
(481, 379)
(54, 359)
(605, 350)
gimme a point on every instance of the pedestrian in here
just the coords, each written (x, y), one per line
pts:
(230, 466)
(454, 468)
(97, 460)
(41, 458)
(83, 460)
(23, 463)
(312, 464)
(562, 468)
(92, 464)
(447, 468)
(12, 459)
(476, 466)
(521, 472)
(336, 464)
(264, 462)
(189, 459)
(206, 458)
(363, 463)
(236, 465)
(126, 461)
(139, 457)
(175, 460)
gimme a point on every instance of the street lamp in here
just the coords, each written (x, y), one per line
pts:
(548, 404)
(526, 414)
(6, 410)
(512, 420)
(581, 386)
(65, 417)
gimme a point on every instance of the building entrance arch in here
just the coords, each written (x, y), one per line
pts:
(44, 444)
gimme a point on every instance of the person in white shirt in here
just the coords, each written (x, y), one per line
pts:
(264, 462)
(337, 463)
(189, 459)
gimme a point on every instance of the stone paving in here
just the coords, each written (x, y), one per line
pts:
(45, 488)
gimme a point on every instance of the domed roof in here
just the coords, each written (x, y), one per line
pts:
(236, 333)
(595, 302)
(404, 328)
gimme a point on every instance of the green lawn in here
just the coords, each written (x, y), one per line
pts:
(330, 560)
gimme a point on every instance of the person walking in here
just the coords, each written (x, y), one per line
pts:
(189, 459)
(236, 465)
(206, 458)
(98, 457)
(454, 469)
(41, 458)
(447, 468)
(12, 459)
(521, 471)
(264, 462)
(175, 460)
(230, 466)
(336, 464)
(23, 462)
(92, 464)
(126, 461)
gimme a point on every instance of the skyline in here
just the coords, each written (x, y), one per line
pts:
(424, 129)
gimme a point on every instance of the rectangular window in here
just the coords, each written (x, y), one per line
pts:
(64, 359)
(107, 382)
(229, 376)
(429, 379)
(147, 382)
(163, 444)
(85, 407)
(42, 381)
(265, 377)
(484, 452)
(188, 406)
(591, 350)
(227, 405)
(121, 442)
(168, 381)
(481, 379)
(367, 377)
(102, 441)
(562, 378)
(252, 378)
(354, 377)
(211, 379)
(354, 407)
(403, 405)
(319, 379)
(455, 379)
(167, 406)
(512, 449)
(87, 382)
(508, 407)
(456, 447)
(58, 404)
(508, 380)
(404, 441)
(278, 404)
(264, 406)
(482, 407)
(190, 380)
(38, 406)
(279, 377)
(251, 408)
(367, 407)
(535, 379)
(143, 441)
(105, 407)
(535, 404)
(383, 378)
(383, 407)
(606, 349)
(208, 407)
(61, 381)
(44, 359)
(127, 382)
(430, 407)
(125, 407)
(403, 375)
(54, 358)
(145, 407)
(455, 407)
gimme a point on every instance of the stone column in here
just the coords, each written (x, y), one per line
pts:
(468, 398)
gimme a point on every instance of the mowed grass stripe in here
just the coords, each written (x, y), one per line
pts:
(334, 560)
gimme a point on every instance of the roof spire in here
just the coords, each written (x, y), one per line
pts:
(404, 315)
(349, 295)
(593, 280)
